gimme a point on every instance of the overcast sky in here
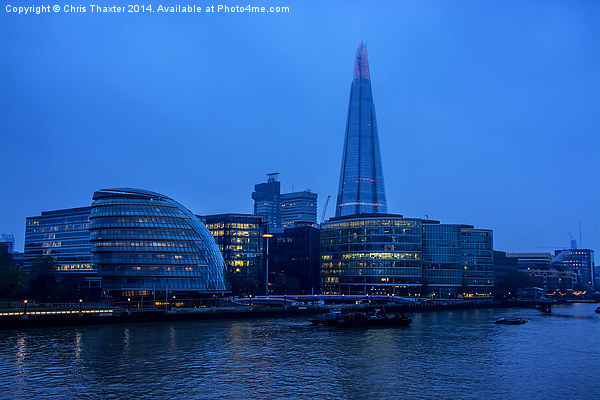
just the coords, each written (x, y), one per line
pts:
(488, 112)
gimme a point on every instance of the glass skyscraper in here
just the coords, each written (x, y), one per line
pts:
(361, 188)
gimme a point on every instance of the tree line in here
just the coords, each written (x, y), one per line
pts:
(42, 284)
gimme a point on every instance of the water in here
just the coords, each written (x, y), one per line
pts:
(456, 354)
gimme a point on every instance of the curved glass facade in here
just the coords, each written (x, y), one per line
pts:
(146, 242)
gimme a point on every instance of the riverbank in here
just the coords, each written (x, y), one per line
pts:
(46, 318)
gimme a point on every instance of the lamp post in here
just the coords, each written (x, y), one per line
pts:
(267, 235)
(80, 304)
(128, 303)
(25, 307)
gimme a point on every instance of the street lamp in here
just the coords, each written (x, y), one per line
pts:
(80, 304)
(128, 303)
(25, 307)
(267, 235)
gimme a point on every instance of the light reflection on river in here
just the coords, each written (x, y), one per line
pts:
(454, 354)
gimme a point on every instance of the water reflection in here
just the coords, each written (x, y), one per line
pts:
(442, 355)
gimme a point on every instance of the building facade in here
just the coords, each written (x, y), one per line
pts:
(579, 261)
(144, 242)
(361, 188)
(239, 237)
(371, 254)
(64, 236)
(267, 201)
(298, 207)
(294, 261)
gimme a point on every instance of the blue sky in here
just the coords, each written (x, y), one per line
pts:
(488, 112)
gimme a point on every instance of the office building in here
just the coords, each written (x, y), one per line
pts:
(371, 254)
(8, 242)
(457, 260)
(267, 201)
(64, 236)
(579, 261)
(144, 242)
(298, 208)
(239, 237)
(504, 268)
(361, 188)
(283, 210)
(294, 261)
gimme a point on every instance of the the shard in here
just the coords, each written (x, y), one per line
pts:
(361, 190)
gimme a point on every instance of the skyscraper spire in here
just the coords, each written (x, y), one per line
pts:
(361, 189)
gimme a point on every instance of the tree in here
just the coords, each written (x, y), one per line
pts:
(12, 279)
(43, 282)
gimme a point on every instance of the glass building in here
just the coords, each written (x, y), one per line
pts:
(298, 207)
(239, 236)
(63, 235)
(371, 254)
(267, 200)
(144, 242)
(579, 261)
(361, 188)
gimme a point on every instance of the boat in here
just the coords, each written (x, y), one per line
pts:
(511, 321)
(359, 319)
(598, 310)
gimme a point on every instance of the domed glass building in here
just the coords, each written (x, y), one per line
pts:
(144, 243)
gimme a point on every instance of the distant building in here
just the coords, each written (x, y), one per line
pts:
(239, 236)
(8, 241)
(545, 272)
(294, 261)
(504, 267)
(267, 201)
(63, 235)
(146, 244)
(298, 207)
(533, 260)
(283, 210)
(579, 261)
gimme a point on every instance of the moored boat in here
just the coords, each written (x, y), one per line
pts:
(511, 321)
(359, 319)
(598, 310)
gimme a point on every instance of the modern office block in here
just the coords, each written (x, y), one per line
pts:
(579, 261)
(144, 242)
(371, 254)
(267, 201)
(239, 237)
(298, 208)
(8, 242)
(63, 235)
(294, 261)
(361, 187)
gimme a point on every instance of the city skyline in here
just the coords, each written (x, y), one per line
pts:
(483, 121)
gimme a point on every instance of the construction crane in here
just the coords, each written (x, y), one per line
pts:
(325, 209)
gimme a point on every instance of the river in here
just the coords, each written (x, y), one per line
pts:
(443, 355)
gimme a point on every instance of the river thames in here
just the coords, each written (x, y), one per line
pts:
(444, 354)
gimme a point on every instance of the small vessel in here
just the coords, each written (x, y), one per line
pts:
(511, 320)
(358, 319)
(598, 310)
